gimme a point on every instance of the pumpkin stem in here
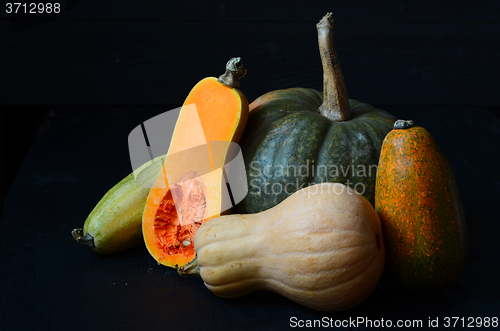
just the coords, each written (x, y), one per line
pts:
(234, 69)
(335, 100)
(192, 268)
(85, 240)
(403, 124)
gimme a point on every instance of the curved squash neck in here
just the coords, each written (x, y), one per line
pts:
(335, 100)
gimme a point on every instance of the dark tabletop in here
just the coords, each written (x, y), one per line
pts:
(48, 281)
(434, 61)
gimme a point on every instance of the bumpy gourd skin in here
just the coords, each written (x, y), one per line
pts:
(285, 131)
(419, 205)
(322, 248)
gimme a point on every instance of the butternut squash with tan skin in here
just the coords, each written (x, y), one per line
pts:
(321, 247)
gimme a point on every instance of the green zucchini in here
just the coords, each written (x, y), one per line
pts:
(115, 223)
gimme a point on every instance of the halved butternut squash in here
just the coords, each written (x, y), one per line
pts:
(191, 188)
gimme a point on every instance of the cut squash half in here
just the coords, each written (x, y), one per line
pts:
(191, 188)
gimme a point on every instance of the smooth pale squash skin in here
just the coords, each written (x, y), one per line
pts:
(223, 113)
(115, 223)
(419, 205)
(317, 248)
(286, 131)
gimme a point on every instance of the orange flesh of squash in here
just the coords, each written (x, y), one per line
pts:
(189, 191)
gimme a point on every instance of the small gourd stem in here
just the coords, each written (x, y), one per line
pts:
(192, 268)
(335, 100)
(84, 239)
(234, 69)
(403, 124)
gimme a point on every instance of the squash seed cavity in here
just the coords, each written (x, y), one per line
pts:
(180, 214)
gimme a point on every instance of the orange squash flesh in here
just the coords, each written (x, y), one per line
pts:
(189, 190)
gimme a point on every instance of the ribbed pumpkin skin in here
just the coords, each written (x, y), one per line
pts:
(285, 131)
(419, 205)
(318, 248)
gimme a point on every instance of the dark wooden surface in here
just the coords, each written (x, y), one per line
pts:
(18, 128)
(49, 282)
(103, 67)
(125, 52)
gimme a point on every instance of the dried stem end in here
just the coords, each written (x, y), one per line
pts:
(335, 99)
(85, 240)
(234, 69)
(403, 124)
(191, 269)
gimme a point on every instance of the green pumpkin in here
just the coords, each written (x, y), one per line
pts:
(298, 137)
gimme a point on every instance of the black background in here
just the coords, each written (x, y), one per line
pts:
(77, 83)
